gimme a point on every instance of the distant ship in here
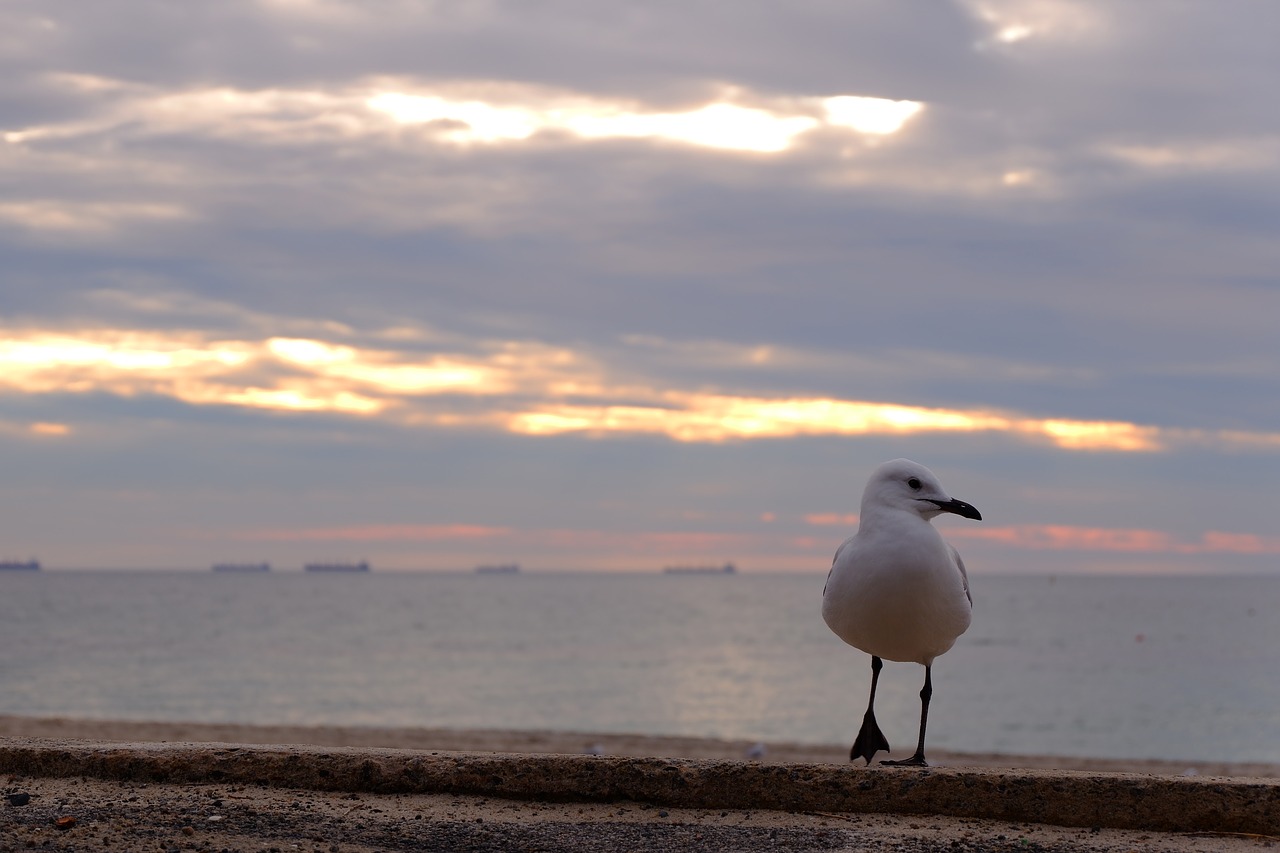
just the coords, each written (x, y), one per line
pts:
(242, 567)
(726, 569)
(362, 566)
(499, 569)
(19, 565)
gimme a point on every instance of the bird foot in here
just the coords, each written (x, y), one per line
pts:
(916, 760)
(869, 741)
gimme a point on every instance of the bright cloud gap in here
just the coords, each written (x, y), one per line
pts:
(489, 113)
(721, 124)
(521, 387)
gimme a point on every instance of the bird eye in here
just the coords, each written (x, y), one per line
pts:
(914, 483)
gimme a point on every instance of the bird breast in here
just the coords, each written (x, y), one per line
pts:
(900, 599)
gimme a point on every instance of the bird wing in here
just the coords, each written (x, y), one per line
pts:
(964, 576)
(835, 560)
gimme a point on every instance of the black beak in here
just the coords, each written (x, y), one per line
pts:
(959, 508)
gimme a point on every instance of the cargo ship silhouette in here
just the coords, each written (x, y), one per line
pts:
(726, 569)
(362, 566)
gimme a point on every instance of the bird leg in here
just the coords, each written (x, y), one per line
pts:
(870, 739)
(926, 693)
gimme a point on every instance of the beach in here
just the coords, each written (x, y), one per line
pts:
(103, 775)
(570, 743)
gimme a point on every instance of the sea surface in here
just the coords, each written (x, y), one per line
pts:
(1167, 667)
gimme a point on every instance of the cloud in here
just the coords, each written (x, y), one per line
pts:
(48, 428)
(1066, 537)
(714, 417)
(832, 518)
(88, 217)
(1010, 22)
(460, 112)
(717, 125)
(1058, 537)
(345, 363)
(35, 429)
(723, 544)
(378, 533)
(528, 387)
(720, 124)
(473, 249)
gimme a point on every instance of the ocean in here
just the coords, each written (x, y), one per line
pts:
(1180, 668)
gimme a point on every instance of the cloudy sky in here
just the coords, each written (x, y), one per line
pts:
(604, 285)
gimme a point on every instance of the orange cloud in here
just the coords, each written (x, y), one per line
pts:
(51, 429)
(380, 371)
(832, 518)
(39, 429)
(524, 387)
(1239, 543)
(719, 417)
(1065, 537)
(1059, 537)
(472, 112)
(379, 533)
(1095, 435)
(286, 374)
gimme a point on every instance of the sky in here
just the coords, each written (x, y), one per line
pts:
(615, 286)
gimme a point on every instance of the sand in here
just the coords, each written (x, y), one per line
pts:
(484, 740)
(102, 775)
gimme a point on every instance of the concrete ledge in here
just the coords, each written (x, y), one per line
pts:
(1063, 798)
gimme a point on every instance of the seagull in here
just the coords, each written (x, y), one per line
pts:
(896, 589)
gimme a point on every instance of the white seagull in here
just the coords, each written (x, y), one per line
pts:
(897, 590)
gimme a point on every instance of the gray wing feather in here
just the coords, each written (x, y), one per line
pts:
(964, 576)
(834, 560)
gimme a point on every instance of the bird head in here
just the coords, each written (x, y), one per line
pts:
(905, 485)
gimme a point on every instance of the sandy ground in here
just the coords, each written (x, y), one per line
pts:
(122, 817)
(76, 813)
(481, 740)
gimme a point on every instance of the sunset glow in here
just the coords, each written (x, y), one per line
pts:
(716, 125)
(1024, 537)
(489, 113)
(379, 370)
(1094, 435)
(721, 124)
(1059, 537)
(832, 518)
(88, 217)
(708, 417)
(714, 418)
(527, 384)
(379, 533)
(878, 116)
(628, 285)
(119, 351)
(1063, 537)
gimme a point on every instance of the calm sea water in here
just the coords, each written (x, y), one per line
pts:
(1178, 668)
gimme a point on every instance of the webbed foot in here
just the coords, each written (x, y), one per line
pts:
(869, 741)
